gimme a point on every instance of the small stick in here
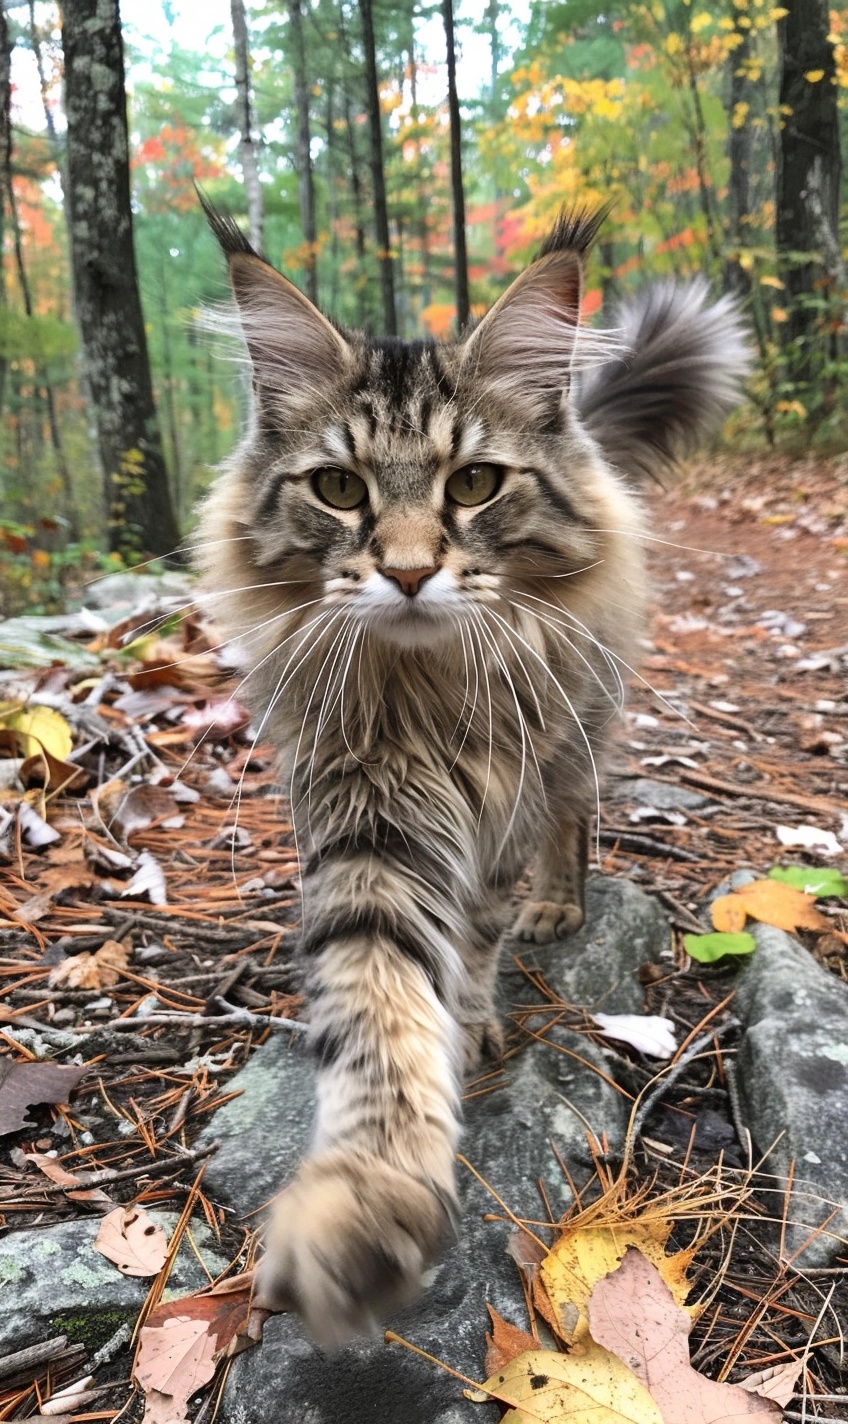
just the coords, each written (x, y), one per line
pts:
(103, 1175)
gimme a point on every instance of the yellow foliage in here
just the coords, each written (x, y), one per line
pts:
(673, 44)
(701, 21)
(740, 114)
(37, 728)
(582, 1258)
(768, 281)
(813, 76)
(772, 903)
(588, 1386)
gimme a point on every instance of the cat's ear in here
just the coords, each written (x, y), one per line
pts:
(295, 351)
(525, 346)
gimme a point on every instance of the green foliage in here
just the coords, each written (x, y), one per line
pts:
(812, 880)
(707, 948)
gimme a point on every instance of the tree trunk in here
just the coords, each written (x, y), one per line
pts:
(808, 173)
(139, 510)
(381, 214)
(463, 306)
(305, 183)
(5, 148)
(739, 149)
(248, 148)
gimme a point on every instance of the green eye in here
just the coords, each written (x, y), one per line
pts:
(340, 488)
(474, 484)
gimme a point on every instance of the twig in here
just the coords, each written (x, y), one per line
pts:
(103, 1175)
(236, 1018)
(32, 1355)
(645, 845)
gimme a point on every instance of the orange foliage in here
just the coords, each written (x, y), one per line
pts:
(171, 162)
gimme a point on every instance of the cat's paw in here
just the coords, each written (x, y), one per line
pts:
(541, 921)
(482, 1043)
(348, 1242)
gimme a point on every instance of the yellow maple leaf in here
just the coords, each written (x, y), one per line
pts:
(588, 1386)
(772, 903)
(39, 727)
(581, 1258)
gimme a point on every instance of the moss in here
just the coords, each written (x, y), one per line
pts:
(92, 1329)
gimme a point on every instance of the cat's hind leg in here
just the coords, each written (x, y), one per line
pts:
(556, 907)
(476, 1011)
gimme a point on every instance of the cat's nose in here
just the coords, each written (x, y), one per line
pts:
(410, 580)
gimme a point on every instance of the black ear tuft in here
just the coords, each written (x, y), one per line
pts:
(225, 229)
(575, 230)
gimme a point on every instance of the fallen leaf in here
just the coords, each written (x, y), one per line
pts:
(24, 1084)
(132, 1241)
(528, 1255)
(812, 881)
(51, 1169)
(647, 1033)
(149, 880)
(707, 948)
(581, 1258)
(770, 901)
(99, 970)
(138, 808)
(53, 773)
(633, 1314)
(587, 1386)
(505, 1342)
(183, 1341)
(39, 727)
(34, 829)
(777, 1383)
(809, 838)
(729, 914)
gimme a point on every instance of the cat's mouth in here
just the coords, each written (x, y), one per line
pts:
(418, 619)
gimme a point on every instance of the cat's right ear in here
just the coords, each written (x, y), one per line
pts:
(295, 351)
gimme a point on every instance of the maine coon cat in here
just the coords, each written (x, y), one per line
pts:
(432, 552)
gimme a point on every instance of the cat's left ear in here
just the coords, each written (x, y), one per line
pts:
(295, 351)
(524, 347)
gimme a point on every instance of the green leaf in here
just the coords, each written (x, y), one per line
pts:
(810, 880)
(709, 947)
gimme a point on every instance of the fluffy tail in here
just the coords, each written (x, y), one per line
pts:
(682, 373)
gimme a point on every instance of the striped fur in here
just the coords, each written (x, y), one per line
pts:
(433, 741)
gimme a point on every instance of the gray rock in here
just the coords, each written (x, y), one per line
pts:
(128, 590)
(597, 967)
(549, 1096)
(53, 1282)
(659, 794)
(793, 1077)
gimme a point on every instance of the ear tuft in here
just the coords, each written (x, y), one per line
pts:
(575, 230)
(225, 229)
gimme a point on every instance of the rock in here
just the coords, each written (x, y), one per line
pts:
(793, 1079)
(597, 967)
(660, 795)
(118, 592)
(548, 1095)
(61, 1286)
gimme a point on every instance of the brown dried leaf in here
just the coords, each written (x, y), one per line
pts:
(51, 1169)
(183, 1341)
(777, 1383)
(505, 1342)
(99, 970)
(23, 1084)
(129, 1238)
(632, 1313)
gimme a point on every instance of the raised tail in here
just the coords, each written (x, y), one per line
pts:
(682, 371)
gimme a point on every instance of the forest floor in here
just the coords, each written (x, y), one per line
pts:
(135, 892)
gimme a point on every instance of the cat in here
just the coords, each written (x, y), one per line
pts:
(434, 555)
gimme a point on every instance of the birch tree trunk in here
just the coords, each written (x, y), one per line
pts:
(139, 510)
(248, 148)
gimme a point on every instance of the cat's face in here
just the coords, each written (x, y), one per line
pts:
(415, 482)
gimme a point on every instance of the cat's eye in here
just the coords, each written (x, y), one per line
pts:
(340, 488)
(474, 484)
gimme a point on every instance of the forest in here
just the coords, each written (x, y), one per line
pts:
(401, 162)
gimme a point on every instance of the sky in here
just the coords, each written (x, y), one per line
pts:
(150, 25)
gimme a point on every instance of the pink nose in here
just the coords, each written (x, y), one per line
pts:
(410, 580)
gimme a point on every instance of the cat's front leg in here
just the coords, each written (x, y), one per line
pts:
(373, 1204)
(556, 907)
